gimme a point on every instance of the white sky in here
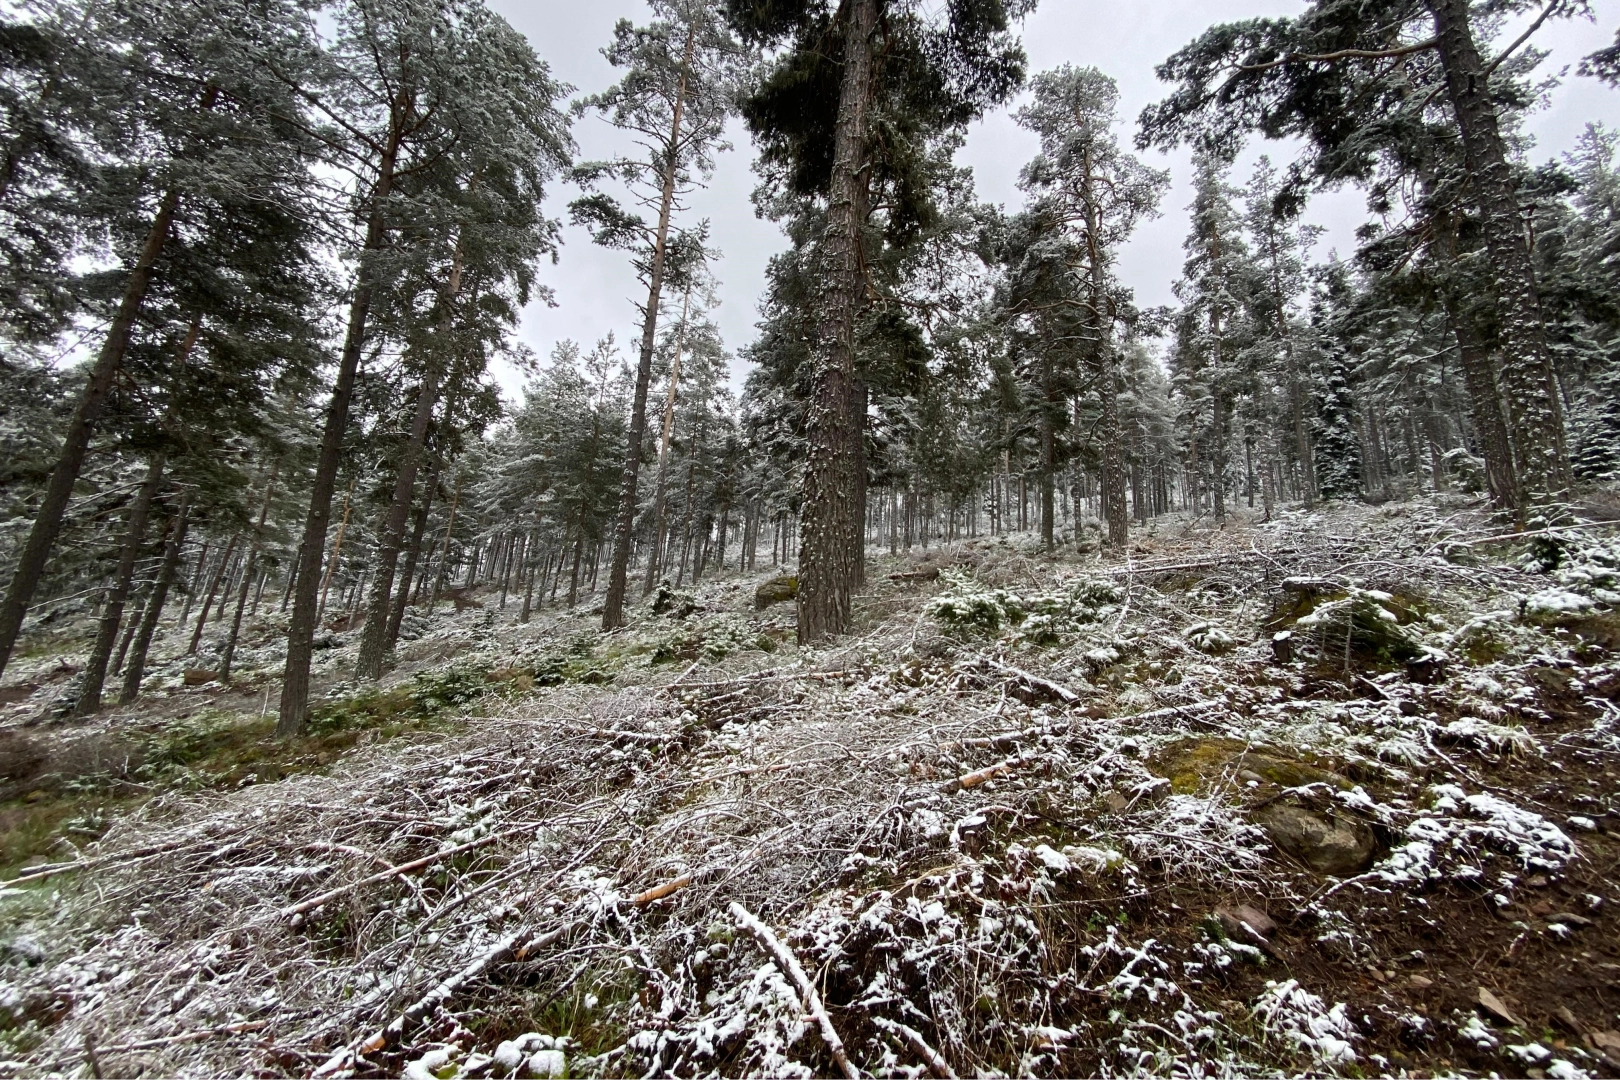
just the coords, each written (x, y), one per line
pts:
(596, 289)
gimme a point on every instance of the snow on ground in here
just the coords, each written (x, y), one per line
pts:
(1328, 794)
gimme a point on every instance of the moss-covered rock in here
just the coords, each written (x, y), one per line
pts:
(776, 591)
(1195, 765)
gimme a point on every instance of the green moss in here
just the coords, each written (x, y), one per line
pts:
(209, 750)
(1196, 765)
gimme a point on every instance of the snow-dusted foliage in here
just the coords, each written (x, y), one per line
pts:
(1089, 853)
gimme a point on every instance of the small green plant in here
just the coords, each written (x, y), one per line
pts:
(1209, 638)
(968, 610)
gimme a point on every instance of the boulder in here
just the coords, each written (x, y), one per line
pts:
(199, 676)
(1328, 843)
(775, 591)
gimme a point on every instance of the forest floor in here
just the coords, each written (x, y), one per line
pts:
(1337, 793)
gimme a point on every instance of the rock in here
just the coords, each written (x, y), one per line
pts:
(548, 1063)
(1567, 1018)
(1419, 982)
(1251, 917)
(1258, 920)
(1246, 923)
(199, 676)
(1494, 1006)
(1569, 918)
(1328, 844)
(775, 591)
(1193, 765)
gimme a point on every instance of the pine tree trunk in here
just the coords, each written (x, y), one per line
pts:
(208, 600)
(112, 612)
(196, 580)
(534, 572)
(1528, 379)
(859, 400)
(444, 552)
(413, 554)
(573, 578)
(135, 668)
(661, 489)
(301, 632)
(1048, 467)
(117, 664)
(47, 526)
(826, 555)
(374, 638)
(1110, 430)
(248, 573)
(337, 552)
(1485, 413)
(624, 528)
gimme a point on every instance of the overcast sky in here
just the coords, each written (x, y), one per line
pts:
(596, 289)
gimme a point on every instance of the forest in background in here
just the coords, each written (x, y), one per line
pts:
(289, 251)
(1220, 687)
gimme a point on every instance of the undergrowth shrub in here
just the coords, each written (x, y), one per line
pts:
(967, 609)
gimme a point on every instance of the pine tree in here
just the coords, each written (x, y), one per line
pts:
(813, 116)
(682, 75)
(410, 80)
(1095, 191)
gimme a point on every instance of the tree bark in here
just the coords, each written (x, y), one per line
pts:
(624, 528)
(248, 573)
(827, 548)
(337, 551)
(1113, 436)
(135, 667)
(374, 640)
(413, 554)
(301, 632)
(208, 600)
(1485, 411)
(47, 525)
(1528, 379)
(112, 612)
(661, 490)
(444, 551)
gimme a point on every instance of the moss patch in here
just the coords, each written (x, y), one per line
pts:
(1196, 765)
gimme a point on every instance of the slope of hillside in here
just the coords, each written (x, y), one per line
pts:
(1334, 793)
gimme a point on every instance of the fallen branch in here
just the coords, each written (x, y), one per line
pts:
(645, 738)
(974, 779)
(789, 965)
(311, 904)
(515, 947)
(40, 873)
(1006, 739)
(1173, 710)
(1139, 570)
(658, 892)
(1062, 693)
(1501, 537)
(151, 1044)
(936, 1064)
